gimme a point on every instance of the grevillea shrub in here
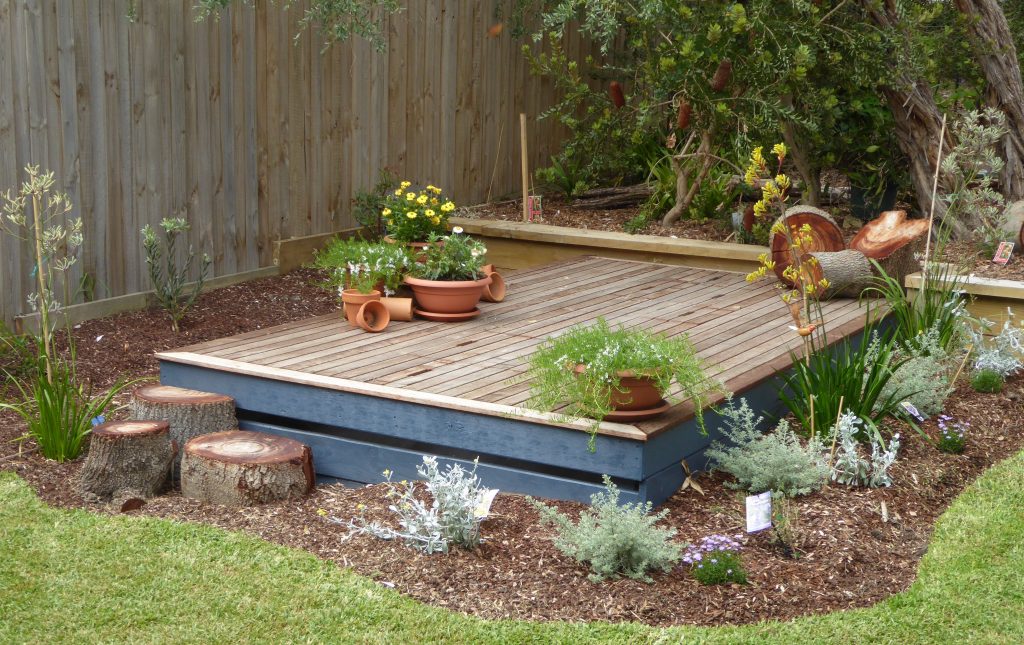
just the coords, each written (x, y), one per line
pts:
(776, 461)
(614, 540)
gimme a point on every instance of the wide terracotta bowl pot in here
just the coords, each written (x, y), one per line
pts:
(447, 297)
(634, 392)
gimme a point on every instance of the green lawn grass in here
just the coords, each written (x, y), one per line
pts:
(72, 576)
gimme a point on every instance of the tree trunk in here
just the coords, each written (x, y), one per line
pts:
(127, 459)
(189, 412)
(891, 239)
(685, 191)
(997, 56)
(241, 468)
(810, 175)
(1013, 227)
(825, 236)
(917, 117)
(848, 272)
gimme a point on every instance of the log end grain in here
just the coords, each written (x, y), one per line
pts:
(168, 394)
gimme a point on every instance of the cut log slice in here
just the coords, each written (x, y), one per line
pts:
(241, 468)
(191, 413)
(127, 459)
(825, 235)
(848, 272)
(891, 240)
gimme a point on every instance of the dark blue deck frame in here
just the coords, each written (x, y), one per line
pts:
(356, 435)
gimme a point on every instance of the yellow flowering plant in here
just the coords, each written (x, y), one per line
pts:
(413, 215)
(803, 272)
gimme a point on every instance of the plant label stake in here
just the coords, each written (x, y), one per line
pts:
(1003, 253)
(536, 206)
(526, 167)
(759, 512)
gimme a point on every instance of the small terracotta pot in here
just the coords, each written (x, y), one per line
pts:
(634, 392)
(447, 296)
(353, 300)
(398, 308)
(487, 269)
(495, 291)
(373, 316)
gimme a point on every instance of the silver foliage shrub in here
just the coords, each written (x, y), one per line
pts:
(453, 516)
(615, 540)
(766, 462)
(850, 468)
(1002, 354)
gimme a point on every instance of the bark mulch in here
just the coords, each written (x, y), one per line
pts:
(848, 555)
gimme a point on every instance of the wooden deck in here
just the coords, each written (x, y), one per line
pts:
(463, 375)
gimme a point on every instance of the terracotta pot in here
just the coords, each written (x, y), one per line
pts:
(398, 308)
(353, 300)
(487, 269)
(637, 392)
(495, 291)
(447, 297)
(419, 248)
(373, 316)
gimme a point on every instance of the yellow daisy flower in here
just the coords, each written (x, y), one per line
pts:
(386, 212)
(422, 199)
(410, 196)
(411, 214)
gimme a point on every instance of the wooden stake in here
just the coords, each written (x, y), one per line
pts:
(931, 215)
(526, 167)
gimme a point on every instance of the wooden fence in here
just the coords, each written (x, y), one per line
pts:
(251, 135)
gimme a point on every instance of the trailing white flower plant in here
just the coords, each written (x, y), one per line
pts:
(607, 353)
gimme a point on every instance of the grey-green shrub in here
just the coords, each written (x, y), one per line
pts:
(615, 540)
(766, 462)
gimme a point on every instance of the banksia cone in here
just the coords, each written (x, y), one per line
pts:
(683, 116)
(615, 90)
(722, 75)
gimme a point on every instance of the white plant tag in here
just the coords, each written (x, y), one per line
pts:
(483, 507)
(759, 512)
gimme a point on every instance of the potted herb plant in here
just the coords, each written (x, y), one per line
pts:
(616, 374)
(411, 216)
(449, 282)
(361, 271)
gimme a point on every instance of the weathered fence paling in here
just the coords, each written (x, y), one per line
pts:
(249, 135)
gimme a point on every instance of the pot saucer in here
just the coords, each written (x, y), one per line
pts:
(626, 416)
(429, 315)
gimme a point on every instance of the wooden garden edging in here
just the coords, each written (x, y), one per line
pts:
(520, 245)
(990, 297)
(75, 314)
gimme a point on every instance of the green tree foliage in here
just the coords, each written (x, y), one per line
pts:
(738, 70)
(335, 20)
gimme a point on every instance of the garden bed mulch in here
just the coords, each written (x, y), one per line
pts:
(848, 556)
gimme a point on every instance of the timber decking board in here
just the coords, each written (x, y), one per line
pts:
(740, 329)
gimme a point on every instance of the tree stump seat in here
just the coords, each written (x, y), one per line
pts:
(127, 459)
(190, 413)
(242, 468)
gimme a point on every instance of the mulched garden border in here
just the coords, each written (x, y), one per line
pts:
(848, 555)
